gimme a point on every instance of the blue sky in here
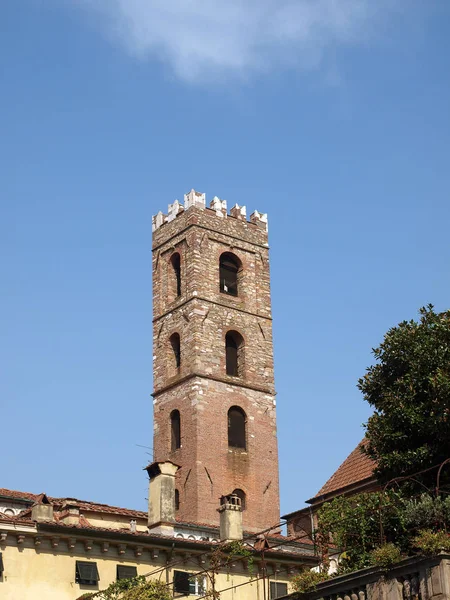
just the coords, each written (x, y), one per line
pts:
(332, 117)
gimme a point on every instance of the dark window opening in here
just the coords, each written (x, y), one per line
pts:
(234, 354)
(236, 428)
(125, 572)
(187, 584)
(229, 268)
(181, 582)
(175, 343)
(86, 573)
(175, 430)
(241, 495)
(1, 565)
(176, 275)
(277, 590)
(177, 500)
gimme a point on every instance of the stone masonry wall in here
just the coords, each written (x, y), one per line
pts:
(200, 388)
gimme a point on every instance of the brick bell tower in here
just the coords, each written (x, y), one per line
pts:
(214, 397)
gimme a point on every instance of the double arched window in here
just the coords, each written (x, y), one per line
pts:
(237, 425)
(234, 354)
(229, 269)
(175, 430)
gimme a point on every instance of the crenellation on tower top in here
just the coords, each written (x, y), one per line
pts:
(158, 220)
(194, 198)
(239, 212)
(198, 200)
(259, 219)
(220, 206)
(174, 210)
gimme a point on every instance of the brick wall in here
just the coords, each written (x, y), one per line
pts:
(200, 388)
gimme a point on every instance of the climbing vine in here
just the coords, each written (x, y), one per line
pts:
(137, 588)
(223, 557)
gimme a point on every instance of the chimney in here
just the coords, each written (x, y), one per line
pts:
(42, 510)
(230, 518)
(161, 501)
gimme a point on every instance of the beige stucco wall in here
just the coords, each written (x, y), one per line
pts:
(46, 573)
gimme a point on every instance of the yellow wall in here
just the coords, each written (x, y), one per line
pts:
(44, 573)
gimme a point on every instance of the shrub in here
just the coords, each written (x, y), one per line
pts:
(427, 512)
(432, 542)
(385, 556)
(353, 525)
(307, 581)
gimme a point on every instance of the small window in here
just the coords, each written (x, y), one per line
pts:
(197, 586)
(236, 428)
(234, 354)
(187, 584)
(175, 430)
(241, 495)
(181, 583)
(1, 565)
(86, 573)
(277, 590)
(125, 572)
(175, 262)
(175, 344)
(177, 500)
(229, 268)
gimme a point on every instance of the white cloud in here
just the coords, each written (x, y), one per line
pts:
(212, 39)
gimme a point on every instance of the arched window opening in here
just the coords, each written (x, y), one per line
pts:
(175, 261)
(241, 495)
(177, 500)
(175, 430)
(234, 354)
(237, 422)
(175, 343)
(229, 268)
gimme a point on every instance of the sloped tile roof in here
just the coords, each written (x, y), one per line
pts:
(81, 504)
(356, 468)
(14, 494)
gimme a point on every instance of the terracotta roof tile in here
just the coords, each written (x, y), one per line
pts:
(14, 494)
(355, 468)
(81, 504)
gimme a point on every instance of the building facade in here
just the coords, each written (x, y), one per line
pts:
(214, 478)
(62, 548)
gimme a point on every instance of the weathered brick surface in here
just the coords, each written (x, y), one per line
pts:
(200, 388)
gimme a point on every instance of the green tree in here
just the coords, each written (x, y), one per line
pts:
(409, 388)
(358, 524)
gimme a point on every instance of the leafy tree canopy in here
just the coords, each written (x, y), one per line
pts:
(409, 388)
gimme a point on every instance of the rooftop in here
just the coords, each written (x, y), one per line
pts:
(355, 469)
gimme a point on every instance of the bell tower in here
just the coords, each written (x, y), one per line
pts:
(214, 396)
